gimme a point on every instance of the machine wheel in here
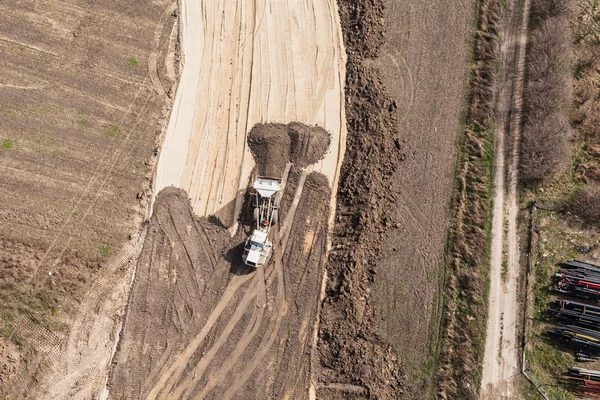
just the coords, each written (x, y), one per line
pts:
(255, 200)
(274, 216)
(255, 214)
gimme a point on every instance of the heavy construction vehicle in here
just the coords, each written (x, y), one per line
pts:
(265, 200)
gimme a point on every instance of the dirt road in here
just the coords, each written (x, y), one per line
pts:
(247, 63)
(501, 359)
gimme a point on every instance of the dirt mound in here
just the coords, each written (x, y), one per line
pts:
(270, 146)
(274, 145)
(308, 144)
(350, 352)
(171, 296)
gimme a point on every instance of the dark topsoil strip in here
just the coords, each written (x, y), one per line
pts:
(349, 350)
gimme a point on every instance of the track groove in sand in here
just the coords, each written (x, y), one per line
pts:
(239, 70)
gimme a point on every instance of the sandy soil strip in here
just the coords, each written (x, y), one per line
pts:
(501, 363)
(245, 63)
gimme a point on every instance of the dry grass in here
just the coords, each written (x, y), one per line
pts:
(586, 206)
(468, 246)
(585, 117)
(570, 231)
(545, 149)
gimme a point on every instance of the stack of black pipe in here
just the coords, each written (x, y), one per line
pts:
(575, 313)
(578, 279)
(584, 341)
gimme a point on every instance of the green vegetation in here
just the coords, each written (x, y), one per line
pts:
(84, 120)
(467, 271)
(504, 272)
(133, 61)
(8, 144)
(113, 132)
(106, 250)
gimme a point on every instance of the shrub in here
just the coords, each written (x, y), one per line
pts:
(586, 206)
(545, 149)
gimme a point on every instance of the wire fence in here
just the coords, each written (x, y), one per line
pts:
(529, 298)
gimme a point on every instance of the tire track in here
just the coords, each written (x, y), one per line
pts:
(247, 337)
(178, 367)
(191, 381)
(257, 288)
(260, 291)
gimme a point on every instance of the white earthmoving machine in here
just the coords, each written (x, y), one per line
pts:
(266, 203)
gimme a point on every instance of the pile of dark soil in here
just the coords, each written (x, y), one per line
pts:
(172, 295)
(308, 144)
(350, 351)
(270, 146)
(273, 145)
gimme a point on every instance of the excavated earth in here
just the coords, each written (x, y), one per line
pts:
(274, 145)
(406, 75)
(201, 324)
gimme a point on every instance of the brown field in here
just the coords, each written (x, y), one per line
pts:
(81, 97)
(381, 309)
(424, 66)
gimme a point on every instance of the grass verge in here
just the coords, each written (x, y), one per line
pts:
(563, 231)
(467, 271)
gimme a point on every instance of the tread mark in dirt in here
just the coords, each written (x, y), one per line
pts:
(265, 345)
(179, 366)
(210, 254)
(413, 87)
(191, 381)
(257, 288)
(97, 176)
(247, 337)
(153, 57)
